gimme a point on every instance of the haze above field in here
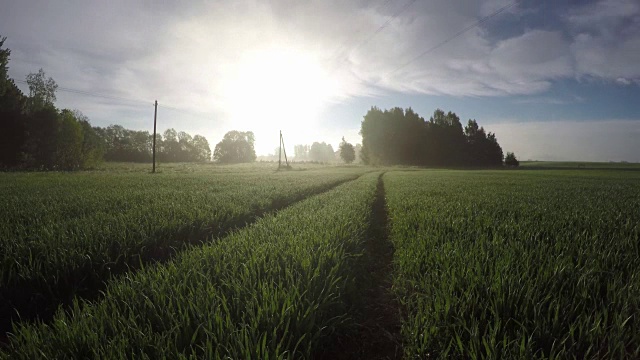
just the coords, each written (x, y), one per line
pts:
(554, 81)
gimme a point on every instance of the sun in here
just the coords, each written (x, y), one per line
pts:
(277, 89)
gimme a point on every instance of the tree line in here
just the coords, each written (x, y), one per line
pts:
(34, 134)
(402, 137)
(322, 152)
(126, 145)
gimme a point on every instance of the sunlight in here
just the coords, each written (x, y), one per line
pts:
(277, 89)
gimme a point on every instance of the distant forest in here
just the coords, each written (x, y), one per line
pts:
(402, 137)
(34, 134)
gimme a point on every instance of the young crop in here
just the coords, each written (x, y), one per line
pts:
(517, 264)
(276, 289)
(63, 235)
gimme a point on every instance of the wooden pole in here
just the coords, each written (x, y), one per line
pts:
(280, 151)
(284, 149)
(155, 116)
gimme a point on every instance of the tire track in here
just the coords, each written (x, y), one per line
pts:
(376, 334)
(21, 304)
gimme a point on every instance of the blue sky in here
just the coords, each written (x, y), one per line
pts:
(555, 80)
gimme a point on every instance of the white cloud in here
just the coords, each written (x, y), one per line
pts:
(604, 14)
(188, 56)
(536, 55)
(624, 81)
(141, 51)
(607, 39)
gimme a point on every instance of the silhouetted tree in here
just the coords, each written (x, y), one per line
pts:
(93, 146)
(235, 147)
(34, 134)
(12, 118)
(399, 136)
(125, 145)
(321, 152)
(40, 145)
(201, 150)
(510, 160)
(137, 146)
(42, 91)
(69, 139)
(445, 139)
(42, 123)
(347, 152)
(170, 146)
(392, 136)
(4, 66)
(482, 149)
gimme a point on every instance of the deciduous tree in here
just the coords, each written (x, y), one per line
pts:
(42, 90)
(321, 152)
(235, 147)
(12, 118)
(347, 152)
(510, 160)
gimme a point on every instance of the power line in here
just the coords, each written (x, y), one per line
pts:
(440, 44)
(344, 47)
(138, 101)
(386, 23)
(178, 109)
(89, 93)
(382, 27)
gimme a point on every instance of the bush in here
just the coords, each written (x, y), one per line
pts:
(510, 160)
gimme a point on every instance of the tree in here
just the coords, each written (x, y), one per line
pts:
(69, 141)
(4, 66)
(482, 149)
(402, 137)
(202, 151)
(301, 152)
(93, 146)
(235, 147)
(347, 152)
(13, 133)
(393, 136)
(137, 146)
(510, 160)
(40, 145)
(445, 139)
(358, 151)
(321, 152)
(42, 91)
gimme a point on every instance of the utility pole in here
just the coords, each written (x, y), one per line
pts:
(284, 149)
(155, 116)
(280, 151)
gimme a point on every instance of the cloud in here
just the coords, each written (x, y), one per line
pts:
(624, 81)
(134, 49)
(607, 40)
(550, 100)
(605, 140)
(138, 48)
(189, 55)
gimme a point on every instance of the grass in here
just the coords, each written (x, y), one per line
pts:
(579, 165)
(517, 264)
(64, 234)
(277, 289)
(530, 263)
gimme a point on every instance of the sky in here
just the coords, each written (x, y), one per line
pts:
(554, 80)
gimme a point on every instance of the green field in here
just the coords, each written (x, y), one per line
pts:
(320, 262)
